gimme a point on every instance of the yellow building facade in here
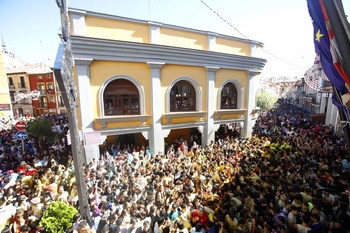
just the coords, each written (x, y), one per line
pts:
(5, 101)
(142, 82)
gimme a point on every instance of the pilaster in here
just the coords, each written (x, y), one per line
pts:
(85, 107)
(209, 130)
(156, 140)
(251, 104)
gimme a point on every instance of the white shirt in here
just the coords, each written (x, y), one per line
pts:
(302, 229)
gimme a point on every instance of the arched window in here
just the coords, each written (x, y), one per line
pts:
(121, 97)
(182, 97)
(229, 97)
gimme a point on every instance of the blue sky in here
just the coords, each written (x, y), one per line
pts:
(30, 28)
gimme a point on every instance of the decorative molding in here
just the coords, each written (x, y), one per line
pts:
(82, 61)
(231, 111)
(145, 134)
(212, 69)
(200, 128)
(123, 118)
(252, 73)
(165, 132)
(170, 116)
(155, 65)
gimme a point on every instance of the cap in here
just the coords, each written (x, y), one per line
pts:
(35, 200)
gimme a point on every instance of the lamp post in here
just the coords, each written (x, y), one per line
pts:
(63, 70)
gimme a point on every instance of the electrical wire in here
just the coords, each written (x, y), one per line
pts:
(244, 36)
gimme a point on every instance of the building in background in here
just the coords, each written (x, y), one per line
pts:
(30, 88)
(19, 87)
(142, 82)
(5, 101)
(41, 79)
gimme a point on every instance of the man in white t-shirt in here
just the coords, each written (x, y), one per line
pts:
(304, 227)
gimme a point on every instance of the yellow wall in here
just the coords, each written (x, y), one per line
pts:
(116, 30)
(225, 45)
(137, 32)
(185, 39)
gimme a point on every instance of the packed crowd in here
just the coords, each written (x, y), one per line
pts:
(293, 175)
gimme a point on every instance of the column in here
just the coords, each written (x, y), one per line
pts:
(85, 107)
(251, 104)
(209, 129)
(156, 139)
(78, 22)
(154, 32)
(211, 41)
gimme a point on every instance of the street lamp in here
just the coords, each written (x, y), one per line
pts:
(63, 70)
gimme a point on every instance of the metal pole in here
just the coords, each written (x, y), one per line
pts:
(63, 70)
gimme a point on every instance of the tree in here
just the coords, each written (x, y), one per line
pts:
(58, 217)
(265, 100)
(42, 130)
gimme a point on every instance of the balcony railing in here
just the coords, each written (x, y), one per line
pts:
(11, 86)
(22, 85)
(23, 101)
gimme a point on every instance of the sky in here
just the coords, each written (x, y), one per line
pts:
(29, 28)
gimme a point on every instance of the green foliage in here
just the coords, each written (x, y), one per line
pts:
(58, 217)
(41, 128)
(265, 100)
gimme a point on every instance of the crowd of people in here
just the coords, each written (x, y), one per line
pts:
(292, 175)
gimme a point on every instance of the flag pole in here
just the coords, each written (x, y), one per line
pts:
(335, 16)
(340, 32)
(343, 118)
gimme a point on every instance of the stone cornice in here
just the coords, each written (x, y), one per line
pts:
(112, 50)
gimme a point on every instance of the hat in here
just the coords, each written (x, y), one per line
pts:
(35, 200)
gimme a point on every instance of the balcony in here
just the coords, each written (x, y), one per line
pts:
(22, 85)
(42, 105)
(12, 86)
(23, 101)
